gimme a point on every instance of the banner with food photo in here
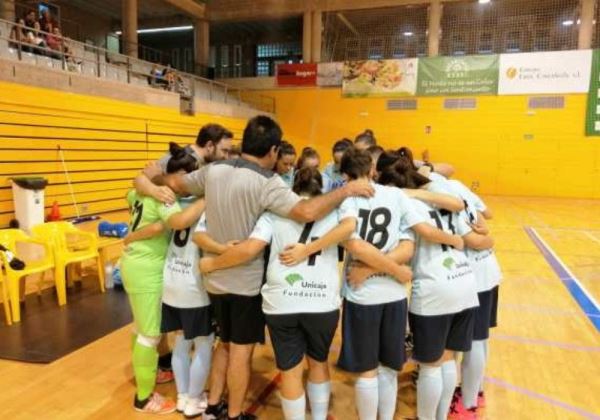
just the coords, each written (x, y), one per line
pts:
(380, 78)
(330, 74)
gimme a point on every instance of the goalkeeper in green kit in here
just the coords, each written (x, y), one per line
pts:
(142, 267)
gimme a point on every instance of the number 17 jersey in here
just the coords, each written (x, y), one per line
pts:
(382, 220)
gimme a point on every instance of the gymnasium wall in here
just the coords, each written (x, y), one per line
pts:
(105, 144)
(501, 147)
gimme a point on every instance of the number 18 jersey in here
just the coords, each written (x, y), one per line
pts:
(381, 222)
(443, 280)
(313, 286)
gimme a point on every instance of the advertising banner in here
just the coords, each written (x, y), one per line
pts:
(380, 78)
(468, 75)
(330, 74)
(298, 74)
(545, 72)
(592, 122)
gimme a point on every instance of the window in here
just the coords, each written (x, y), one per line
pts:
(237, 61)
(224, 68)
(262, 68)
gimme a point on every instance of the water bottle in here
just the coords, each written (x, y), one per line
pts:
(116, 275)
(108, 276)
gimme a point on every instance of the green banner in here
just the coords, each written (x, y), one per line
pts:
(469, 75)
(592, 121)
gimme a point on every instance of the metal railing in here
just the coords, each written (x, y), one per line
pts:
(78, 57)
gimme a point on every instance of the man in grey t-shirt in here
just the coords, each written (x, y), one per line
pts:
(237, 192)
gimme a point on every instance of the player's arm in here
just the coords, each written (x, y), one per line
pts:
(146, 232)
(318, 207)
(444, 169)
(367, 253)
(442, 201)
(437, 236)
(204, 241)
(481, 226)
(487, 213)
(239, 254)
(296, 253)
(359, 272)
(478, 242)
(144, 185)
(186, 217)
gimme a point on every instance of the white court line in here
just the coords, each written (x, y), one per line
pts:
(591, 236)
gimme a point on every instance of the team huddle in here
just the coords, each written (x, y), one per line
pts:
(222, 246)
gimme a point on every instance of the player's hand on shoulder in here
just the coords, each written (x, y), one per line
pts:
(163, 194)
(293, 254)
(359, 189)
(481, 230)
(206, 265)
(152, 170)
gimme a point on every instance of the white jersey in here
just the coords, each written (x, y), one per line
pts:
(443, 281)
(484, 263)
(183, 286)
(381, 222)
(312, 286)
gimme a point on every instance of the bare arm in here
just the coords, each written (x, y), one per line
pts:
(478, 242)
(144, 185)
(360, 272)
(443, 201)
(438, 236)
(208, 244)
(318, 207)
(187, 216)
(367, 253)
(295, 254)
(487, 213)
(444, 169)
(481, 226)
(146, 232)
(237, 255)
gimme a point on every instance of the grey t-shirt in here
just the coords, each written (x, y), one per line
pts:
(163, 161)
(237, 192)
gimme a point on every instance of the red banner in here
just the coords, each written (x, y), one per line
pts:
(297, 74)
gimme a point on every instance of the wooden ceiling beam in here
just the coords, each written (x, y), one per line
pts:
(192, 8)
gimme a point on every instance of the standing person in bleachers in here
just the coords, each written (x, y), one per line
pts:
(142, 266)
(332, 176)
(30, 18)
(237, 193)
(212, 144)
(285, 163)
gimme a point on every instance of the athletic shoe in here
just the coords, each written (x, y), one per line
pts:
(164, 376)
(215, 412)
(459, 412)
(195, 407)
(182, 400)
(480, 399)
(155, 404)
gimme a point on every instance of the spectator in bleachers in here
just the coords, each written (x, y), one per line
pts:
(156, 77)
(17, 35)
(46, 21)
(55, 41)
(30, 18)
(36, 39)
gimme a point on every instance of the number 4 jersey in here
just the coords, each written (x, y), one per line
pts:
(381, 222)
(313, 286)
(183, 286)
(443, 281)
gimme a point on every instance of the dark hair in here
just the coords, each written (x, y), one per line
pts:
(212, 132)
(235, 150)
(402, 175)
(375, 150)
(307, 153)
(286, 149)
(386, 159)
(356, 163)
(260, 136)
(405, 152)
(342, 145)
(180, 160)
(308, 181)
(367, 137)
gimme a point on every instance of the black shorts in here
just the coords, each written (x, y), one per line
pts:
(373, 335)
(436, 333)
(296, 335)
(485, 314)
(195, 322)
(240, 319)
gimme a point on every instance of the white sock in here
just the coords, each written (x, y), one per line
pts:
(473, 367)
(367, 396)
(318, 397)
(429, 391)
(388, 392)
(180, 360)
(200, 367)
(294, 409)
(486, 346)
(449, 375)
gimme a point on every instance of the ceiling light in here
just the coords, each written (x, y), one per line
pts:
(568, 22)
(159, 30)
(484, 1)
(408, 33)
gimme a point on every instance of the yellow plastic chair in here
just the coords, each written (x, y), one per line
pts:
(10, 238)
(71, 245)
